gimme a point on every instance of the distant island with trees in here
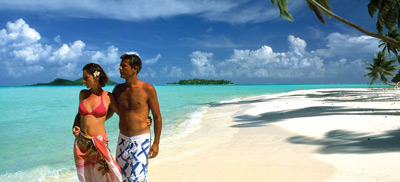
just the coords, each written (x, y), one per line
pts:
(197, 81)
(65, 82)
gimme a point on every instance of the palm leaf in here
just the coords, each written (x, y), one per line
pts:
(381, 67)
(318, 13)
(388, 13)
(282, 4)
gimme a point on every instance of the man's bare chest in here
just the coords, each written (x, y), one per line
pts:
(132, 100)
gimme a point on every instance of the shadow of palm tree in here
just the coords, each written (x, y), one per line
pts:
(217, 104)
(340, 141)
(271, 117)
(354, 96)
(336, 141)
(372, 95)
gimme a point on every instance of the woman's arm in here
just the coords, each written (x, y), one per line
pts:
(77, 122)
(76, 127)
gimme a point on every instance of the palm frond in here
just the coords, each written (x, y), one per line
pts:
(388, 13)
(381, 67)
(282, 4)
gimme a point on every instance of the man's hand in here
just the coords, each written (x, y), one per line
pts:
(149, 121)
(153, 151)
(76, 130)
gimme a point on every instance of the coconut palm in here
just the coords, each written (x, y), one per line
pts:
(387, 10)
(380, 68)
(389, 47)
(396, 78)
(388, 13)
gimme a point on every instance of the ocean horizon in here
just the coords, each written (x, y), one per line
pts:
(36, 122)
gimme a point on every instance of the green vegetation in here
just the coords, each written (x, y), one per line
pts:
(65, 82)
(197, 81)
(381, 67)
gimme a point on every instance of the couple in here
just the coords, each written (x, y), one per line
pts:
(132, 101)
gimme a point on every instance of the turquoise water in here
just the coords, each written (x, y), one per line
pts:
(35, 122)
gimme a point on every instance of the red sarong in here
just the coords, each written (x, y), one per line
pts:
(93, 159)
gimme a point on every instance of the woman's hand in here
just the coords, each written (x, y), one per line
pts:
(76, 130)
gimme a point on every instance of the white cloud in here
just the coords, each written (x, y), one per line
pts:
(240, 11)
(67, 71)
(112, 70)
(19, 50)
(152, 60)
(148, 72)
(68, 52)
(31, 54)
(174, 72)
(18, 69)
(297, 46)
(109, 56)
(57, 39)
(23, 55)
(18, 34)
(341, 45)
(202, 66)
(132, 52)
(296, 63)
(264, 62)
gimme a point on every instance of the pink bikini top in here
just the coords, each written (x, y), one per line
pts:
(100, 110)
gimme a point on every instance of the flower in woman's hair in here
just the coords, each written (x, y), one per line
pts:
(96, 73)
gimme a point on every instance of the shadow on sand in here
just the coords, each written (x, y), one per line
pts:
(271, 117)
(340, 141)
(336, 141)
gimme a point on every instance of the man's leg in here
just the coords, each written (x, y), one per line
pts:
(132, 157)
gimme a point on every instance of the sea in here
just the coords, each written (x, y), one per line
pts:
(36, 141)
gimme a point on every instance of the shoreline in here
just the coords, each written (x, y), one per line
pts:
(305, 135)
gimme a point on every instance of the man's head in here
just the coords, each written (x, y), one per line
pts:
(134, 61)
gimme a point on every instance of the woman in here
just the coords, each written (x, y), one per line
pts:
(92, 156)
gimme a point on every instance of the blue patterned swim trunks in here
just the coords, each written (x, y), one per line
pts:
(132, 157)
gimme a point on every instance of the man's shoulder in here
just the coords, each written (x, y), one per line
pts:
(146, 85)
(118, 87)
(84, 91)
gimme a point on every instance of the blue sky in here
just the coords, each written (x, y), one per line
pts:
(244, 41)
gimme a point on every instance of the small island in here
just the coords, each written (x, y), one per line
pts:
(197, 81)
(65, 82)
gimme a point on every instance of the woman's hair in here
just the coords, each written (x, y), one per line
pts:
(134, 60)
(91, 68)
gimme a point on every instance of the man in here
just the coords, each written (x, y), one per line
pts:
(135, 99)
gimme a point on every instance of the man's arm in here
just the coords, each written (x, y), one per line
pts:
(110, 113)
(113, 106)
(155, 110)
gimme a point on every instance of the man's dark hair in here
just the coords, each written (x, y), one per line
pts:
(134, 60)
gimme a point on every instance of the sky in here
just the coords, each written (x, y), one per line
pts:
(245, 41)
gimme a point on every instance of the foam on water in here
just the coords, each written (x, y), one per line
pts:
(42, 173)
(191, 124)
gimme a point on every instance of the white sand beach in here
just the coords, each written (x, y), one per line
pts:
(310, 135)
